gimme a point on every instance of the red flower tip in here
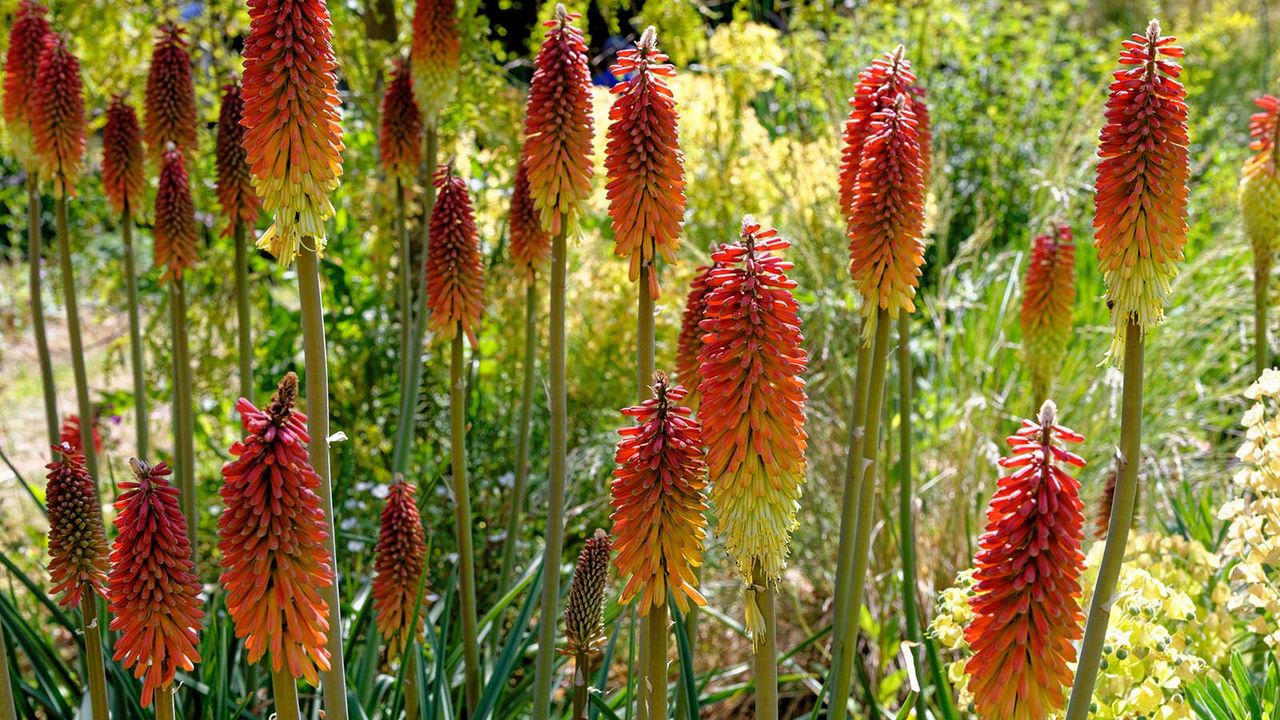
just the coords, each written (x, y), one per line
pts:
(272, 536)
(1026, 603)
(1047, 301)
(175, 225)
(171, 95)
(401, 136)
(1264, 133)
(435, 53)
(690, 341)
(399, 558)
(69, 434)
(154, 593)
(530, 244)
(77, 540)
(455, 269)
(21, 63)
(235, 183)
(57, 115)
(122, 174)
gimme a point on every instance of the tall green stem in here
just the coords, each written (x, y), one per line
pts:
(7, 711)
(317, 370)
(406, 289)
(243, 317)
(766, 655)
(142, 430)
(520, 487)
(1122, 505)
(164, 703)
(77, 346)
(284, 689)
(581, 662)
(412, 692)
(183, 412)
(462, 519)
(650, 624)
(34, 261)
(656, 673)
(1261, 280)
(95, 667)
(549, 614)
(906, 490)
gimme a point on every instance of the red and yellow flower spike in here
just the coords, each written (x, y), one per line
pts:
(1140, 206)
(26, 42)
(400, 137)
(1026, 602)
(154, 593)
(240, 204)
(399, 558)
(752, 407)
(558, 125)
(57, 116)
(643, 160)
(175, 228)
(1260, 181)
(1047, 302)
(434, 54)
(122, 173)
(70, 433)
(272, 536)
(77, 540)
(455, 269)
(292, 120)
(659, 516)
(170, 103)
(530, 243)
(689, 344)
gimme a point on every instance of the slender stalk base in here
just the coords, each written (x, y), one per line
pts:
(549, 615)
(7, 711)
(406, 287)
(34, 260)
(284, 689)
(656, 670)
(1261, 347)
(142, 431)
(906, 491)
(691, 632)
(163, 700)
(462, 519)
(244, 319)
(183, 412)
(581, 663)
(1122, 506)
(642, 669)
(765, 659)
(317, 372)
(95, 667)
(650, 624)
(412, 693)
(77, 346)
(520, 487)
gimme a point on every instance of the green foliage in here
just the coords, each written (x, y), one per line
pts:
(1242, 695)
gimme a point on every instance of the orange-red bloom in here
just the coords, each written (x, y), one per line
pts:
(154, 594)
(1047, 301)
(170, 103)
(435, 52)
(273, 535)
(26, 42)
(1026, 603)
(240, 204)
(558, 125)
(1140, 206)
(659, 508)
(455, 270)
(689, 344)
(1260, 183)
(175, 228)
(77, 541)
(752, 407)
(69, 434)
(122, 175)
(400, 139)
(57, 116)
(530, 243)
(292, 120)
(643, 159)
(399, 558)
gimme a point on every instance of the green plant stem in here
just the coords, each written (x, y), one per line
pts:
(7, 711)
(183, 420)
(163, 700)
(142, 432)
(77, 346)
(1261, 348)
(549, 615)
(1122, 506)
(412, 693)
(317, 370)
(865, 482)
(581, 662)
(243, 317)
(642, 669)
(906, 491)
(406, 287)
(650, 625)
(95, 667)
(34, 261)
(462, 518)
(765, 659)
(284, 690)
(656, 672)
(520, 486)
(691, 632)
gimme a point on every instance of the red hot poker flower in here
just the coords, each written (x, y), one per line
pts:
(400, 139)
(434, 54)
(455, 269)
(690, 341)
(1026, 603)
(643, 159)
(558, 125)
(57, 116)
(584, 607)
(659, 517)
(272, 536)
(154, 595)
(399, 558)
(69, 433)
(1047, 301)
(171, 96)
(122, 175)
(26, 42)
(530, 243)
(240, 204)
(77, 541)
(1260, 182)
(175, 228)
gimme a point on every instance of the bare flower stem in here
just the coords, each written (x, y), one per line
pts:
(653, 669)
(35, 260)
(1261, 281)
(412, 693)
(406, 286)
(656, 672)
(142, 431)
(462, 519)
(284, 689)
(164, 703)
(77, 346)
(520, 486)
(95, 667)
(906, 491)
(581, 681)
(244, 318)
(765, 659)
(183, 412)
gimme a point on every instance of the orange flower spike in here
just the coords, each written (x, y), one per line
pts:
(435, 53)
(558, 125)
(1140, 224)
(400, 138)
(643, 160)
(292, 120)
(171, 96)
(455, 269)
(240, 204)
(122, 174)
(175, 228)
(1026, 602)
(887, 219)
(690, 340)
(272, 536)
(399, 558)
(1260, 181)
(1047, 302)
(57, 116)
(77, 540)
(21, 63)
(530, 243)
(154, 594)
(659, 516)
(69, 433)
